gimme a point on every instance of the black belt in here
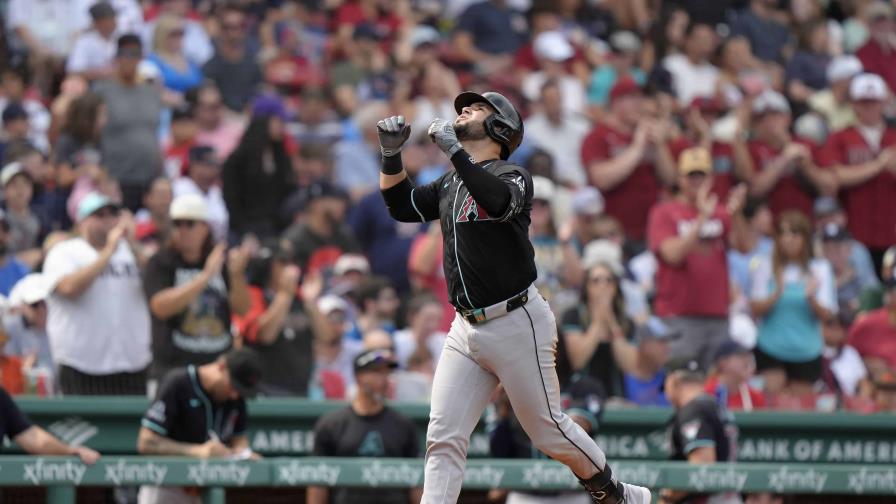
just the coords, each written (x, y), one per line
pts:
(479, 315)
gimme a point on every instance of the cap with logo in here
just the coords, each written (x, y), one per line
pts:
(191, 207)
(833, 232)
(695, 160)
(245, 367)
(868, 87)
(375, 359)
(684, 364)
(93, 203)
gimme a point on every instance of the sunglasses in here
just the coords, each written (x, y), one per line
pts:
(106, 212)
(601, 279)
(183, 223)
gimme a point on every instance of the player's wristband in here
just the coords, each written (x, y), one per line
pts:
(390, 151)
(391, 165)
(453, 149)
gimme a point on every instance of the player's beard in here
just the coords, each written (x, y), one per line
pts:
(470, 131)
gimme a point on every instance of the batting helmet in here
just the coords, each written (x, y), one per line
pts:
(505, 126)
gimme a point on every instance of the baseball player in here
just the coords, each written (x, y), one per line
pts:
(504, 331)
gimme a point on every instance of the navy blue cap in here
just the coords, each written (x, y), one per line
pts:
(14, 111)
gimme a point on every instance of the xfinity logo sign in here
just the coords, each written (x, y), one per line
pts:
(297, 474)
(205, 473)
(401, 475)
(125, 473)
(41, 472)
(541, 474)
(802, 480)
(714, 479)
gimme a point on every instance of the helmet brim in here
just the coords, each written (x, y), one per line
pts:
(468, 98)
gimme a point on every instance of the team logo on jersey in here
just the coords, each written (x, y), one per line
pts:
(372, 445)
(471, 211)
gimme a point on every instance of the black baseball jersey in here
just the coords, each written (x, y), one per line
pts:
(344, 433)
(487, 258)
(184, 412)
(702, 422)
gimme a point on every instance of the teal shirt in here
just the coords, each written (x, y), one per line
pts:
(602, 80)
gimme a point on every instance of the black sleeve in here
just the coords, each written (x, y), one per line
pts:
(230, 188)
(323, 438)
(504, 195)
(158, 274)
(412, 446)
(696, 429)
(407, 203)
(242, 421)
(164, 410)
(14, 421)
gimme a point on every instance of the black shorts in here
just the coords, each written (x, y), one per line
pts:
(809, 371)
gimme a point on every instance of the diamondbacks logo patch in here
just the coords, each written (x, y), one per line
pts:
(471, 211)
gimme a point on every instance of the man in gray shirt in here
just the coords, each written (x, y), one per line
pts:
(130, 145)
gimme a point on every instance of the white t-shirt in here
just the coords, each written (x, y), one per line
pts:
(219, 218)
(575, 100)
(690, 80)
(106, 329)
(91, 52)
(563, 142)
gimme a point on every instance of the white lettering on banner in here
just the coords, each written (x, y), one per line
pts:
(791, 480)
(283, 441)
(225, 473)
(485, 475)
(764, 449)
(400, 475)
(41, 472)
(716, 479)
(300, 474)
(73, 430)
(641, 474)
(552, 475)
(861, 451)
(624, 446)
(125, 473)
(874, 480)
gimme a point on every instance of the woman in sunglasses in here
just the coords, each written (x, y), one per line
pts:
(193, 286)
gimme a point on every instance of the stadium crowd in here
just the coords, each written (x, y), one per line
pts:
(711, 177)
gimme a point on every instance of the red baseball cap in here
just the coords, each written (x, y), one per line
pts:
(623, 87)
(707, 104)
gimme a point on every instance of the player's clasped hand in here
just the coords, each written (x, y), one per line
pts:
(442, 133)
(393, 132)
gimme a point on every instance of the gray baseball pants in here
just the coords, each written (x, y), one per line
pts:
(518, 351)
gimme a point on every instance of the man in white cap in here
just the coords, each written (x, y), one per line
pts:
(98, 322)
(863, 157)
(782, 167)
(553, 51)
(833, 102)
(26, 323)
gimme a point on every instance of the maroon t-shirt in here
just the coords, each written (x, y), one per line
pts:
(630, 200)
(874, 335)
(871, 206)
(793, 191)
(698, 287)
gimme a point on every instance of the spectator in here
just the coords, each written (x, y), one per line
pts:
(624, 47)
(181, 138)
(692, 73)
(642, 363)
(877, 53)
(864, 160)
(26, 230)
(884, 392)
(203, 177)
(666, 35)
(26, 325)
(700, 117)
(356, 160)
(559, 132)
(751, 244)
(193, 287)
(590, 328)
(556, 262)
(609, 252)
(843, 369)
(11, 269)
(45, 32)
(422, 335)
(129, 140)
(827, 210)
(79, 140)
(93, 53)
(348, 273)
(378, 305)
(12, 367)
(96, 290)
(169, 55)
(833, 101)
(874, 333)
(15, 89)
(15, 126)
(233, 67)
(281, 320)
(806, 70)
(792, 295)
(487, 35)
(781, 166)
(769, 38)
(438, 87)
(256, 176)
(730, 384)
(426, 271)
(197, 46)
(216, 128)
(702, 431)
(689, 235)
(322, 236)
(627, 158)
(836, 243)
(366, 428)
(333, 354)
(152, 224)
(33, 439)
(587, 208)
(174, 426)
(553, 51)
